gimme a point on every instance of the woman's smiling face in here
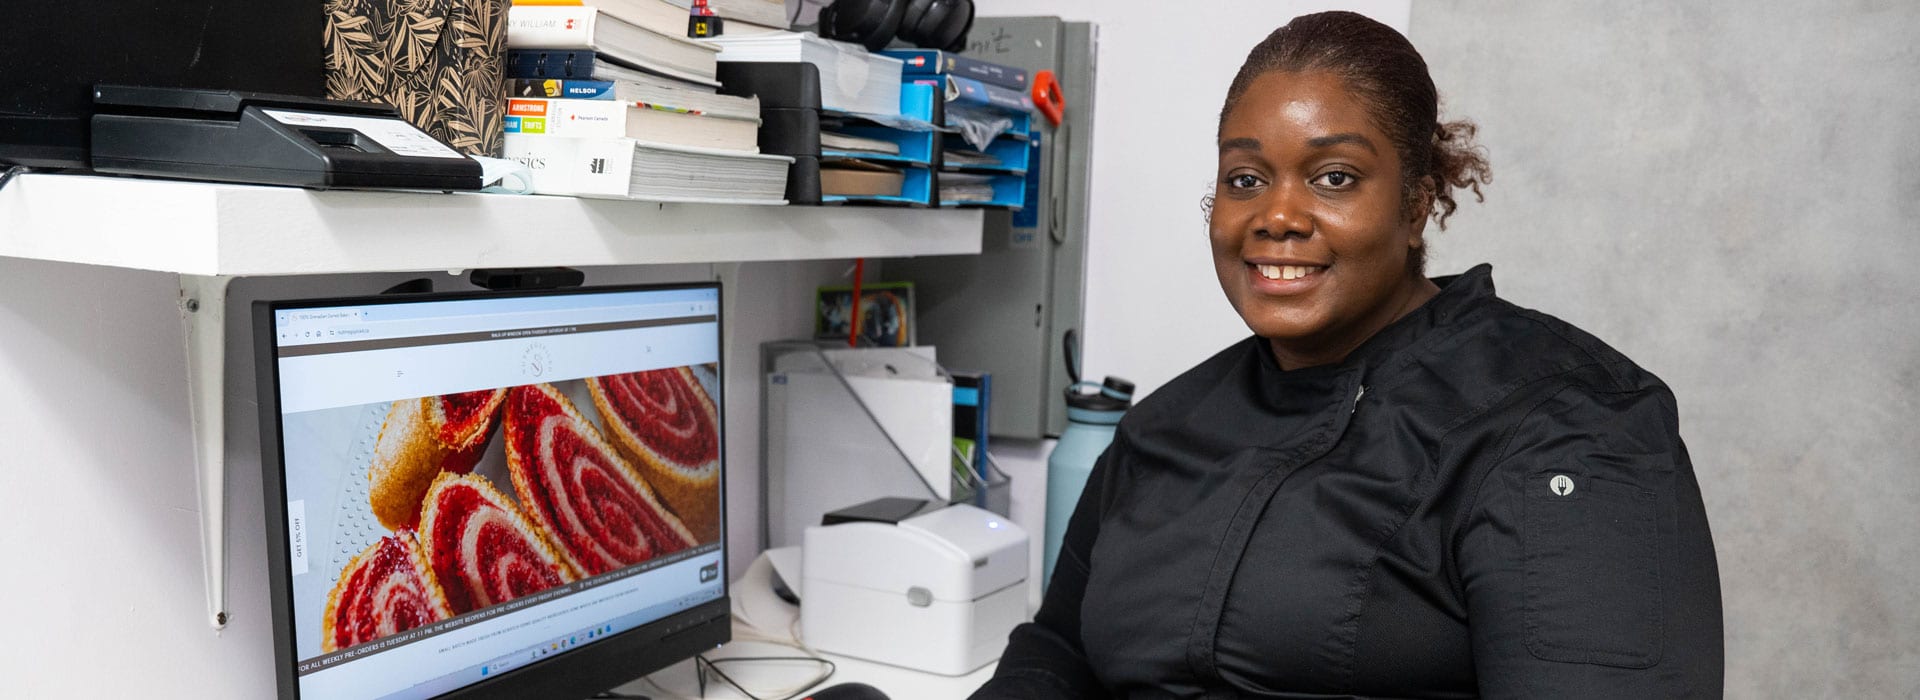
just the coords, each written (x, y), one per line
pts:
(1310, 228)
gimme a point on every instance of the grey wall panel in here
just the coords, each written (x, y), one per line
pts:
(1005, 309)
(1728, 192)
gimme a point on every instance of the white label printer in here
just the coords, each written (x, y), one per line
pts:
(937, 591)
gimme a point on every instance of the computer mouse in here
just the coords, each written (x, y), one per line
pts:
(848, 691)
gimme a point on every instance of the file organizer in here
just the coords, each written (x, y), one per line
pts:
(843, 426)
(1016, 149)
(791, 118)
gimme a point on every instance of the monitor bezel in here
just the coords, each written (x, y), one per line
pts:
(580, 672)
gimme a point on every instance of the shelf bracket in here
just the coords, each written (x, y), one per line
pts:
(203, 314)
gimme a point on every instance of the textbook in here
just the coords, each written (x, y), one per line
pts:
(611, 38)
(624, 168)
(548, 64)
(658, 16)
(659, 92)
(656, 123)
(967, 92)
(937, 62)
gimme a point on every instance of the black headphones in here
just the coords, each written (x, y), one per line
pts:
(932, 24)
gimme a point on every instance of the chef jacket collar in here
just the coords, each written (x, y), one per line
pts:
(1284, 390)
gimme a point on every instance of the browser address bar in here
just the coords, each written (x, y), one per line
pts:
(352, 330)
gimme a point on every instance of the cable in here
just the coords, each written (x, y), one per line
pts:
(704, 665)
(827, 670)
(7, 175)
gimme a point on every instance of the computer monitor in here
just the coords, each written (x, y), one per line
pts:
(492, 494)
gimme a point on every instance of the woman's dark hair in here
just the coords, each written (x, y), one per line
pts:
(1384, 71)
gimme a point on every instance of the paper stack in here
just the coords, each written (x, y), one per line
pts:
(852, 79)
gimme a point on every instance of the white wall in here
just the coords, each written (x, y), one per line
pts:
(1154, 307)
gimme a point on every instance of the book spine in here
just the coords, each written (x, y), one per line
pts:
(567, 118)
(934, 62)
(561, 89)
(967, 91)
(990, 73)
(546, 64)
(919, 62)
(551, 26)
(575, 166)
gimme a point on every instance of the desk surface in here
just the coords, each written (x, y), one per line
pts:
(766, 678)
(759, 616)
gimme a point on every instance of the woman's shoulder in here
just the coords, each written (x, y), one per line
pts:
(1502, 365)
(1529, 345)
(1187, 390)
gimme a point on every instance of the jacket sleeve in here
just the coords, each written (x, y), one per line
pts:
(1586, 561)
(1044, 658)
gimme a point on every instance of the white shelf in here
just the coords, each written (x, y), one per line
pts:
(218, 229)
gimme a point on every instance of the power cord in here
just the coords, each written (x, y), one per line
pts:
(827, 670)
(704, 667)
(8, 174)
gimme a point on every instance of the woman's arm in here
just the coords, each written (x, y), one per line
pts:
(1044, 658)
(1587, 564)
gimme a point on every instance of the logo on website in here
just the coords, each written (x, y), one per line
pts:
(536, 362)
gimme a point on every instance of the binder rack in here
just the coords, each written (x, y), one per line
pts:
(825, 446)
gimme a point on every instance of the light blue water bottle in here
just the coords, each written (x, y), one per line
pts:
(1092, 416)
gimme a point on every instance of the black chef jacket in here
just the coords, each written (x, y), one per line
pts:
(1481, 501)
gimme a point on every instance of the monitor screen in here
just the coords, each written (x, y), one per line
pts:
(469, 493)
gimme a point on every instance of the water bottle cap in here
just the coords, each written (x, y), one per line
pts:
(1109, 398)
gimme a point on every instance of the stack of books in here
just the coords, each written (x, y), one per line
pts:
(608, 98)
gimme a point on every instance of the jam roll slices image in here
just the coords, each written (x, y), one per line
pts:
(384, 591)
(422, 437)
(482, 549)
(667, 427)
(596, 510)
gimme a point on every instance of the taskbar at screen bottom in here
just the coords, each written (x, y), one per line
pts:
(522, 639)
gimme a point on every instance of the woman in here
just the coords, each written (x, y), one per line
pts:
(1400, 487)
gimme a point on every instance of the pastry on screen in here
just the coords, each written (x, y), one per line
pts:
(666, 426)
(595, 509)
(385, 590)
(482, 550)
(420, 438)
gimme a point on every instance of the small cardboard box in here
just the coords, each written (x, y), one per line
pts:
(437, 61)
